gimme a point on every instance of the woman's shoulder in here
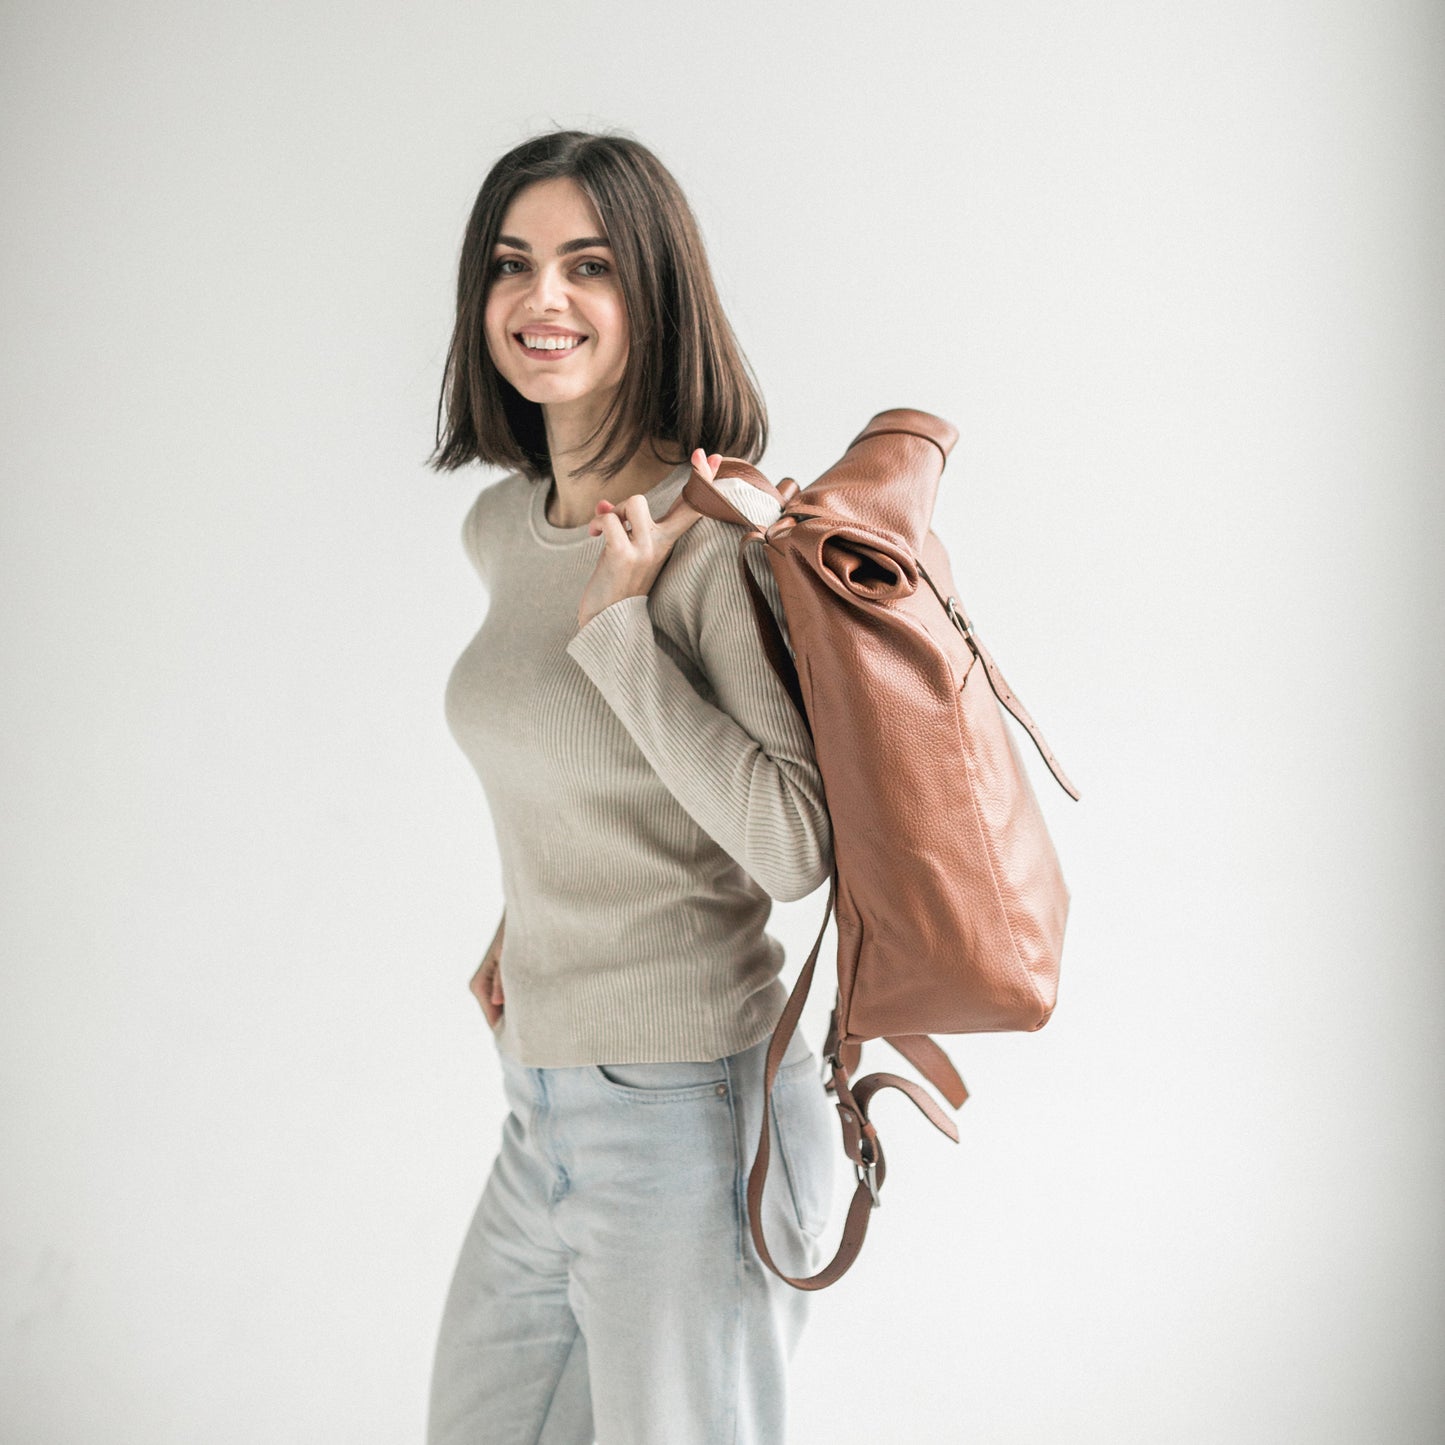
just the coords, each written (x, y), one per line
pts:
(707, 545)
(710, 540)
(496, 500)
(702, 581)
(496, 495)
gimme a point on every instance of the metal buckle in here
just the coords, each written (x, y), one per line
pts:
(867, 1172)
(956, 617)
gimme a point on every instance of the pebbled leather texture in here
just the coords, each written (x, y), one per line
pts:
(950, 901)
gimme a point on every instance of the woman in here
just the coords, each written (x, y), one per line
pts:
(652, 788)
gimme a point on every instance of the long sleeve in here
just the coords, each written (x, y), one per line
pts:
(651, 787)
(743, 768)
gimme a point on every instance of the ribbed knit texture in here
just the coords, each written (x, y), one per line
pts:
(651, 786)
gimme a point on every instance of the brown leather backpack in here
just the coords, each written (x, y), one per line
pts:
(949, 899)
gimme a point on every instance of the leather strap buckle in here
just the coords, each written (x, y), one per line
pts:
(867, 1173)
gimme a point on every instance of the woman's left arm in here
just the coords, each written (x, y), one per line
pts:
(744, 769)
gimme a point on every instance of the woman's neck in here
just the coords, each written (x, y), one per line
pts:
(572, 500)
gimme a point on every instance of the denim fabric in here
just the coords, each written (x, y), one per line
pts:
(608, 1283)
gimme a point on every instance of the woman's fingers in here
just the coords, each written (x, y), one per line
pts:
(486, 984)
(630, 521)
(607, 512)
(634, 515)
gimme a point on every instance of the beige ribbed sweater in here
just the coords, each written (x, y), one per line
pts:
(651, 787)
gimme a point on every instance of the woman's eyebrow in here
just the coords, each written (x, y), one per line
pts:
(580, 244)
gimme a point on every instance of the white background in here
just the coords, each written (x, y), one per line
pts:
(1172, 270)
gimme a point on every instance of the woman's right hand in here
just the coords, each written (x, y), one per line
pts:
(486, 982)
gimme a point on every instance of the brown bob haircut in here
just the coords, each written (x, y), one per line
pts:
(686, 381)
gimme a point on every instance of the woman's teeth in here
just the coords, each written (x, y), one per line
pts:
(552, 343)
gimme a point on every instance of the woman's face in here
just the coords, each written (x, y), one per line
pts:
(553, 275)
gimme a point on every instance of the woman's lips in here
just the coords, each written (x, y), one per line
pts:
(556, 354)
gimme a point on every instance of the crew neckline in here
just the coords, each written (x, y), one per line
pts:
(554, 536)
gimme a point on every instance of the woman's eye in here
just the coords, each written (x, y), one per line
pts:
(499, 267)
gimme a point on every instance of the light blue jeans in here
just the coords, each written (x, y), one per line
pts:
(608, 1281)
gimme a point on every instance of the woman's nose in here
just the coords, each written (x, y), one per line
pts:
(547, 292)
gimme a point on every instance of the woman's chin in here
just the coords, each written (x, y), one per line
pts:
(554, 390)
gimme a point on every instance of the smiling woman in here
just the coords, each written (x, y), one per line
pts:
(571, 230)
(652, 788)
(557, 329)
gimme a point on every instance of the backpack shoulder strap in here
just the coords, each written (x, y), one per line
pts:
(860, 1138)
(770, 632)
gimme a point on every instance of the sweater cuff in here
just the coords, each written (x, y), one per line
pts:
(619, 625)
